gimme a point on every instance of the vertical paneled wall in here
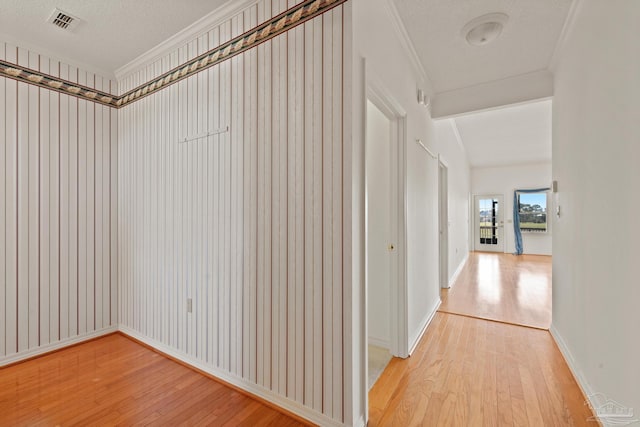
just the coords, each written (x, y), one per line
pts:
(58, 187)
(247, 224)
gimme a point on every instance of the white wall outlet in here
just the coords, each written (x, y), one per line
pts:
(189, 305)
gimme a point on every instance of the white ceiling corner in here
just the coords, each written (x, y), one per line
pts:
(566, 30)
(212, 19)
(408, 46)
(495, 96)
(112, 33)
(456, 133)
(512, 135)
(526, 45)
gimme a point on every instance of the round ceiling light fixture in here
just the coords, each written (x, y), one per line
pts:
(484, 29)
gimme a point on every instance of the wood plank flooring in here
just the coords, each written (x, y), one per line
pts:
(503, 287)
(474, 372)
(116, 381)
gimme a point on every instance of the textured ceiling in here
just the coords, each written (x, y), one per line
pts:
(526, 44)
(507, 136)
(114, 32)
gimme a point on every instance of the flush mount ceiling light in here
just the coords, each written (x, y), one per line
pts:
(484, 29)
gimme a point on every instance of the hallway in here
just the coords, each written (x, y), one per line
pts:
(470, 371)
(503, 287)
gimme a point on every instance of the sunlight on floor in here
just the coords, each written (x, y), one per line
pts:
(503, 287)
(378, 359)
(487, 276)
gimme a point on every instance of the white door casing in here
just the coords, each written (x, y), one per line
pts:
(396, 246)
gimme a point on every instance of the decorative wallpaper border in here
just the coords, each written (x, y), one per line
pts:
(275, 26)
(33, 77)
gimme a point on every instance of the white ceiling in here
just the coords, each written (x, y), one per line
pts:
(507, 136)
(527, 42)
(114, 32)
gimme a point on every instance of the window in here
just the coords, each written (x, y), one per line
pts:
(533, 212)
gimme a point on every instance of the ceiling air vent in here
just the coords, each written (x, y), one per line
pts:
(64, 20)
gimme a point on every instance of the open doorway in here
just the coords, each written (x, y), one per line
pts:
(509, 152)
(379, 232)
(386, 299)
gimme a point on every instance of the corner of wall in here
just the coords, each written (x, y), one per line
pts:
(459, 269)
(226, 11)
(58, 345)
(416, 336)
(577, 373)
(231, 380)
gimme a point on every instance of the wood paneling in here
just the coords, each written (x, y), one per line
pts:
(248, 224)
(55, 210)
(113, 380)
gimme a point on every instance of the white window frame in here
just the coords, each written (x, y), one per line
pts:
(548, 222)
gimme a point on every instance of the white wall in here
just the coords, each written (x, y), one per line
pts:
(504, 180)
(58, 176)
(248, 224)
(389, 68)
(378, 149)
(453, 155)
(596, 293)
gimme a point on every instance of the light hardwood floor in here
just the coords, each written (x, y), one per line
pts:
(503, 287)
(474, 372)
(116, 381)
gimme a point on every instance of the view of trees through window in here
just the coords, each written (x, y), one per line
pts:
(533, 212)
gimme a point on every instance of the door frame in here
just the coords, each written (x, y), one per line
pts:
(443, 222)
(398, 295)
(500, 247)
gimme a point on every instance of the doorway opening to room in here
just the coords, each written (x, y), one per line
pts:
(380, 236)
(511, 212)
(384, 241)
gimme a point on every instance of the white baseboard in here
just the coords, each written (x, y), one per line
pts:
(251, 388)
(47, 348)
(584, 385)
(453, 278)
(361, 422)
(379, 342)
(414, 339)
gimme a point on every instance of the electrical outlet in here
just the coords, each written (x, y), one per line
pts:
(189, 305)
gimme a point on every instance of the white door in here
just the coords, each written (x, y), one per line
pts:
(489, 223)
(443, 225)
(378, 225)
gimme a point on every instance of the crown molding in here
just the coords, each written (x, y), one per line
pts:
(567, 28)
(273, 27)
(407, 45)
(56, 57)
(202, 25)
